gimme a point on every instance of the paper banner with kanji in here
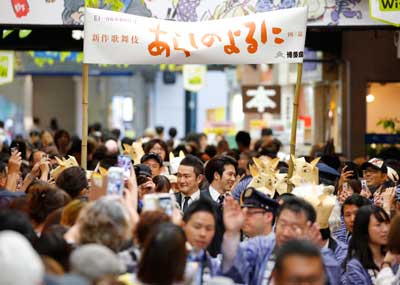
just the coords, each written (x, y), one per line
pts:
(270, 37)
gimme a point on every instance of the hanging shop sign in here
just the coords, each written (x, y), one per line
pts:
(261, 99)
(386, 11)
(194, 76)
(6, 67)
(270, 37)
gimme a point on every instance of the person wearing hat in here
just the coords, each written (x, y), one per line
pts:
(154, 161)
(260, 214)
(143, 180)
(252, 262)
(375, 174)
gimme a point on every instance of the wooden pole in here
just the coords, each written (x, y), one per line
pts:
(295, 115)
(85, 101)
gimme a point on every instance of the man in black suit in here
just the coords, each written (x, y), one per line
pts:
(189, 176)
(220, 172)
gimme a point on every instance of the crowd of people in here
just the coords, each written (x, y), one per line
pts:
(232, 221)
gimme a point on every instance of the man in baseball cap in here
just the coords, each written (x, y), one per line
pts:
(154, 161)
(260, 213)
(375, 173)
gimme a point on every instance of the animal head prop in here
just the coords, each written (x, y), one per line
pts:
(322, 199)
(135, 151)
(281, 185)
(264, 177)
(304, 172)
(62, 165)
(174, 162)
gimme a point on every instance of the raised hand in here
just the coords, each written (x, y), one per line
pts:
(312, 234)
(233, 215)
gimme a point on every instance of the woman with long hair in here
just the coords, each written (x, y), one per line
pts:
(163, 257)
(386, 275)
(367, 246)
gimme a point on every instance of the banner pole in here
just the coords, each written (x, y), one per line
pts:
(295, 115)
(85, 101)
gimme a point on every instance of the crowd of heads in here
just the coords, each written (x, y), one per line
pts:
(58, 225)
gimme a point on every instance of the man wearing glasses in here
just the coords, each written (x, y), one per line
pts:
(252, 262)
(260, 214)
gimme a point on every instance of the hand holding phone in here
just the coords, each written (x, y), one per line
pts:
(159, 201)
(115, 184)
(125, 162)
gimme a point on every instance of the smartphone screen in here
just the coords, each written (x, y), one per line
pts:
(166, 203)
(115, 185)
(124, 161)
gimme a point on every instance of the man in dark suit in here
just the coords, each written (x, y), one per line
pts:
(220, 173)
(189, 176)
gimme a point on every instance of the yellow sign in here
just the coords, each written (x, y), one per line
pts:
(6, 67)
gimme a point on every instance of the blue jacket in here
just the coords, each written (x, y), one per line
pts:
(205, 261)
(356, 274)
(339, 249)
(253, 255)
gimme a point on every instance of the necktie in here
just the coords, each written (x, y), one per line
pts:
(221, 200)
(185, 203)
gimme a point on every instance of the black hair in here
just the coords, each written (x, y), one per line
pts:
(172, 132)
(358, 245)
(165, 240)
(162, 184)
(201, 205)
(52, 243)
(149, 145)
(116, 133)
(17, 221)
(3, 168)
(159, 130)
(356, 200)
(191, 160)
(217, 164)
(243, 138)
(296, 247)
(285, 197)
(72, 180)
(211, 150)
(299, 205)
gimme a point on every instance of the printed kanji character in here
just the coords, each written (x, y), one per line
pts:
(301, 54)
(96, 38)
(96, 18)
(124, 39)
(290, 35)
(295, 54)
(157, 47)
(115, 39)
(232, 48)
(252, 43)
(208, 39)
(176, 47)
(289, 54)
(104, 38)
(134, 39)
(277, 31)
(300, 34)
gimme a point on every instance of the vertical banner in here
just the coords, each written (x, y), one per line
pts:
(194, 76)
(6, 67)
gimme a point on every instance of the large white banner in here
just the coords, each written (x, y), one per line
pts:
(70, 12)
(270, 37)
